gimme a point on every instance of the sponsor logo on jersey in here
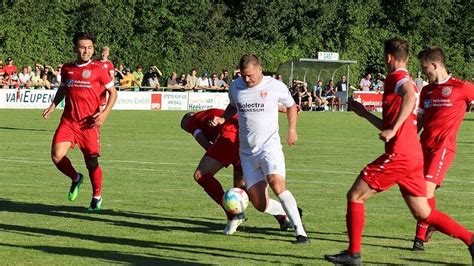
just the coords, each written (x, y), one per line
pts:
(86, 74)
(251, 107)
(427, 103)
(69, 83)
(446, 91)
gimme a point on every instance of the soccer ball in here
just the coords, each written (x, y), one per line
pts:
(235, 200)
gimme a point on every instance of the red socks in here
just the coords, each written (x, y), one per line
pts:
(214, 189)
(355, 219)
(96, 180)
(449, 226)
(422, 227)
(66, 168)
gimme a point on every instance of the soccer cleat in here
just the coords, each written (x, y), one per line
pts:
(96, 204)
(418, 245)
(429, 232)
(74, 189)
(344, 258)
(234, 223)
(301, 240)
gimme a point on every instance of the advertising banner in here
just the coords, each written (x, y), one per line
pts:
(173, 101)
(370, 99)
(133, 100)
(203, 100)
(26, 99)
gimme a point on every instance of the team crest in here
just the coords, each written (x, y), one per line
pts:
(86, 74)
(105, 66)
(263, 94)
(446, 91)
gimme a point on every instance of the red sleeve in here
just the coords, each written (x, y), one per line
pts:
(469, 91)
(104, 78)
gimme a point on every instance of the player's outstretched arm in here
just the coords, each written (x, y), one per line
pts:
(292, 116)
(360, 110)
(408, 94)
(99, 118)
(57, 99)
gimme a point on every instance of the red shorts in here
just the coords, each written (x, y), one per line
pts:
(388, 170)
(88, 139)
(226, 148)
(437, 163)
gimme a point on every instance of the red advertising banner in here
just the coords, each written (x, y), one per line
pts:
(156, 101)
(370, 99)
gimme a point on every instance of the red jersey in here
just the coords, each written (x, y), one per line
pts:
(405, 142)
(9, 69)
(83, 85)
(443, 106)
(107, 65)
(200, 120)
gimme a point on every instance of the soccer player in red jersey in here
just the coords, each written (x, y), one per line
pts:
(108, 66)
(401, 163)
(222, 149)
(82, 84)
(443, 104)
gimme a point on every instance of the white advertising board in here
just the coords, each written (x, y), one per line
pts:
(133, 100)
(204, 100)
(26, 99)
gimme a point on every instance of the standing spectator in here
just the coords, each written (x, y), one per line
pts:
(226, 78)
(377, 85)
(44, 83)
(418, 81)
(2, 69)
(82, 117)
(215, 83)
(35, 79)
(172, 83)
(119, 73)
(127, 80)
(203, 82)
(57, 76)
(6, 81)
(341, 92)
(10, 67)
(191, 80)
(279, 77)
(152, 78)
(25, 78)
(366, 82)
(182, 81)
(138, 77)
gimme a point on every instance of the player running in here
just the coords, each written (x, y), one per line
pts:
(255, 98)
(82, 84)
(222, 149)
(402, 162)
(443, 104)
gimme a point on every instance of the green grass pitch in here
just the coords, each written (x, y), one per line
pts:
(154, 212)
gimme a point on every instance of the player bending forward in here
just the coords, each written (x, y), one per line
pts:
(82, 84)
(255, 98)
(222, 149)
(402, 162)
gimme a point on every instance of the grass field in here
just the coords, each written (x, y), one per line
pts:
(154, 212)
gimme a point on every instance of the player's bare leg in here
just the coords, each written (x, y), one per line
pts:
(288, 202)
(424, 230)
(355, 219)
(442, 222)
(95, 175)
(62, 162)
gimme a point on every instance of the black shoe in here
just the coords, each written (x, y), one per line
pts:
(96, 204)
(301, 240)
(471, 249)
(418, 245)
(344, 258)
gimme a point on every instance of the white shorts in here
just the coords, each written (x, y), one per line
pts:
(256, 167)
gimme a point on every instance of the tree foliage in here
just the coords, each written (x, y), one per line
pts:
(211, 35)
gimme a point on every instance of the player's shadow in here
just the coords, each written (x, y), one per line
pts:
(227, 253)
(113, 256)
(428, 262)
(25, 129)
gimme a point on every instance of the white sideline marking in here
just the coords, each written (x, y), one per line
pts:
(27, 161)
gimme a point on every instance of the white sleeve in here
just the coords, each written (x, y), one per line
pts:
(400, 83)
(285, 97)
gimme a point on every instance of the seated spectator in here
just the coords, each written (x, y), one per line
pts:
(138, 77)
(215, 84)
(153, 82)
(366, 83)
(2, 70)
(35, 79)
(236, 73)
(172, 82)
(377, 86)
(279, 77)
(305, 99)
(331, 96)
(57, 76)
(191, 80)
(24, 78)
(202, 83)
(152, 77)
(9, 68)
(318, 96)
(5, 81)
(127, 80)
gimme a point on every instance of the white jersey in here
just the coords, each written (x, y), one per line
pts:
(257, 108)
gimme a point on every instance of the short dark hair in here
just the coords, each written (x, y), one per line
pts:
(248, 59)
(432, 54)
(397, 47)
(83, 36)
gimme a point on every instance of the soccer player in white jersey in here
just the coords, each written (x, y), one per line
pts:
(255, 98)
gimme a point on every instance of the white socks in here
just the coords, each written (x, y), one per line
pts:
(274, 208)
(291, 209)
